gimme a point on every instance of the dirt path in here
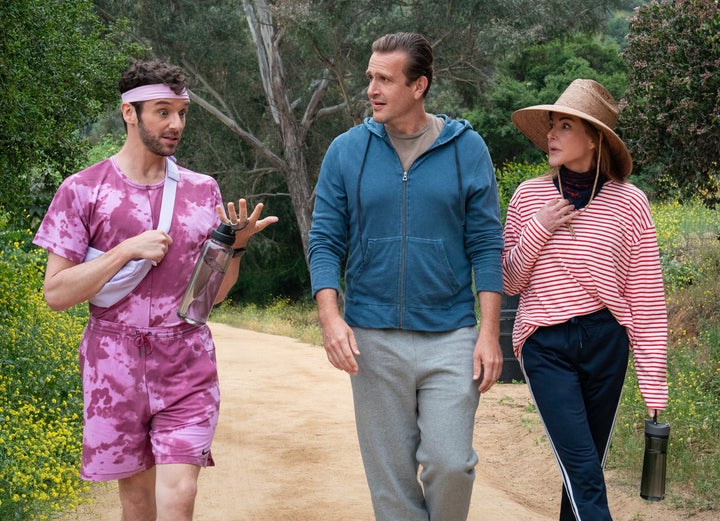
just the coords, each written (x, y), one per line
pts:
(286, 449)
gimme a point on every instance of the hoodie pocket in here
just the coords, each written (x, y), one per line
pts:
(378, 278)
(427, 278)
(430, 280)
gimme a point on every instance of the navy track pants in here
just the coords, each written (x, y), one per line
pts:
(575, 372)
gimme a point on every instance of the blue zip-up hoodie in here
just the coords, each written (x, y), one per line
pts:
(412, 239)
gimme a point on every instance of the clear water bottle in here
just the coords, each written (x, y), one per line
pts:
(199, 298)
(652, 486)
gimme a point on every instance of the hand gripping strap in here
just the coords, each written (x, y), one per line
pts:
(130, 275)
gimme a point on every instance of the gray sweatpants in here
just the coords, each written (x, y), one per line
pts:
(415, 403)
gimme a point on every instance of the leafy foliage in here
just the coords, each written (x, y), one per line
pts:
(672, 118)
(511, 175)
(323, 46)
(538, 74)
(684, 230)
(40, 398)
(58, 71)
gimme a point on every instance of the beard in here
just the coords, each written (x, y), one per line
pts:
(154, 144)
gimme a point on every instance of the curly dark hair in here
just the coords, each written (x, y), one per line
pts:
(141, 73)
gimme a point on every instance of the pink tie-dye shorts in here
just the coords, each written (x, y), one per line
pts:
(151, 396)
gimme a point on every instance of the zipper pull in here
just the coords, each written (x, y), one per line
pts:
(405, 176)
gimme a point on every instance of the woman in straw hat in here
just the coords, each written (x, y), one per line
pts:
(581, 250)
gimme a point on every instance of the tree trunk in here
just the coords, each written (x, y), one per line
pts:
(296, 177)
(293, 133)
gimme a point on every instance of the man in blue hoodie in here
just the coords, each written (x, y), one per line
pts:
(410, 200)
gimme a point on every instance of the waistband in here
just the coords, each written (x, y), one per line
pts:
(104, 326)
(601, 315)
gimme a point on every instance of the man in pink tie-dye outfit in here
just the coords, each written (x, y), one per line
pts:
(150, 385)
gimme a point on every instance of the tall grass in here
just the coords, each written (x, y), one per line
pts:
(690, 255)
(684, 231)
(282, 317)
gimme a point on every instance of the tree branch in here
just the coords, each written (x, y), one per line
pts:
(313, 107)
(215, 94)
(245, 135)
(329, 111)
(267, 194)
(261, 32)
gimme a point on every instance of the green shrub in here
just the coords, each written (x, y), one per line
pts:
(510, 175)
(40, 397)
(682, 231)
(672, 102)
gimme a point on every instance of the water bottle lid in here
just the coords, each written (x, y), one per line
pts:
(224, 234)
(661, 430)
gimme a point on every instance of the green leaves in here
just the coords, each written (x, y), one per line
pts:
(672, 118)
(539, 74)
(58, 70)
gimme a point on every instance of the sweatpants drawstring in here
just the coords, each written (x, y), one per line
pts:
(577, 324)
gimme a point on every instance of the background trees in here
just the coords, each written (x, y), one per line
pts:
(672, 117)
(273, 82)
(58, 72)
(539, 73)
(280, 79)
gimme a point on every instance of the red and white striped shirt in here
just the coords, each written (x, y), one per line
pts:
(613, 261)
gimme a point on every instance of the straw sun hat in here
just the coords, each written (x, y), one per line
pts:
(585, 99)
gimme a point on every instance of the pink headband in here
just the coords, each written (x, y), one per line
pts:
(155, 91)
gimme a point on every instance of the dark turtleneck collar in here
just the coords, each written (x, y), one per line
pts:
(577, 186)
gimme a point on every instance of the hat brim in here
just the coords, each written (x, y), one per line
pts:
(534, 122)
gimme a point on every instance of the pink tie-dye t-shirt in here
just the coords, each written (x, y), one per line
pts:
(100, 207)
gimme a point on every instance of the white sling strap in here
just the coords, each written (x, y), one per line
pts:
(172, 176)
(130, 275)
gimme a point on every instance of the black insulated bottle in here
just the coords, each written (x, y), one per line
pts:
(652, 486)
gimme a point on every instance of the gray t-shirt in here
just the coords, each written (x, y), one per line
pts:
(410, 146)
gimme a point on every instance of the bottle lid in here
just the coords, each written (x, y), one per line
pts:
(661, 430)
(224, 234)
